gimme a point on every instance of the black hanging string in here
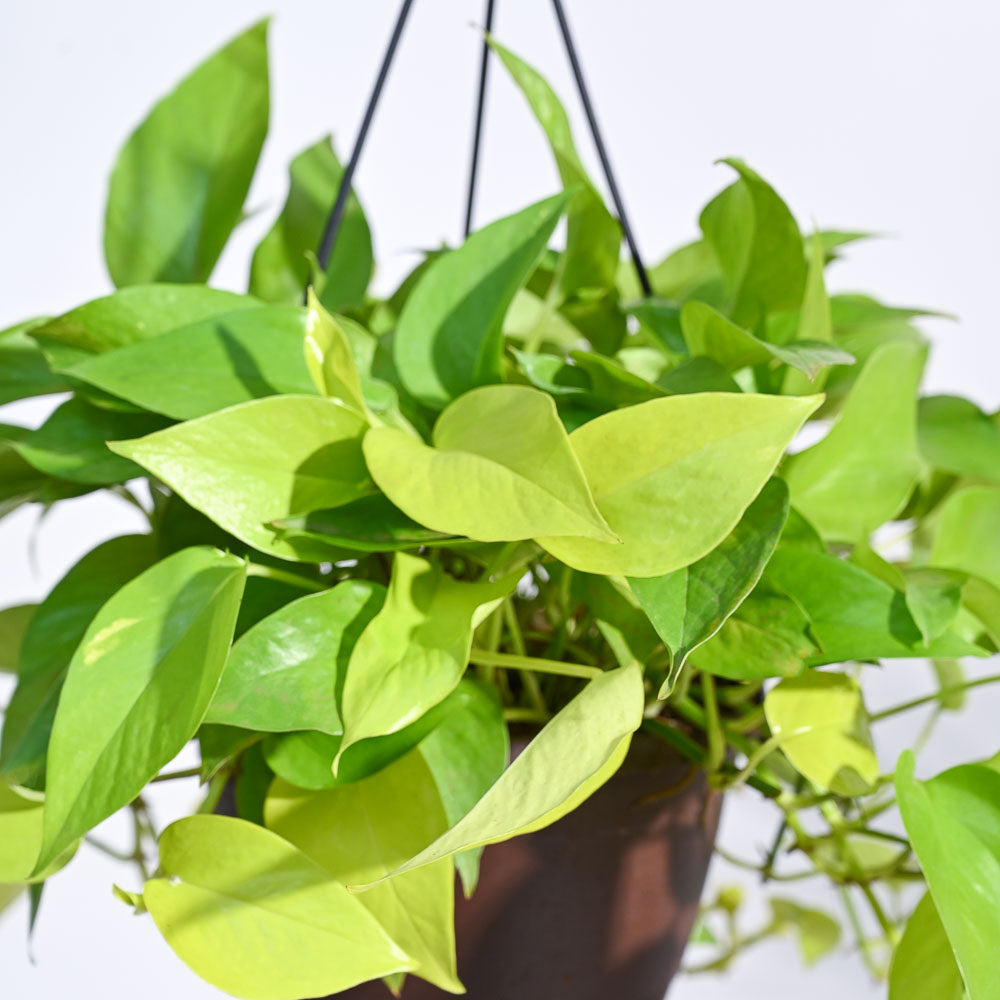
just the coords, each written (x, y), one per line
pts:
(337, 213)
(595, 131)
(480, 105)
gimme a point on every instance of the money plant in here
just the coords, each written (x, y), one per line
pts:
(515, 491)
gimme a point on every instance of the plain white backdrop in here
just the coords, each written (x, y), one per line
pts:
(869, 114)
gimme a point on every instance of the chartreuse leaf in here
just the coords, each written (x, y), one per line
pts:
(178, 186)
(362, 831)
(255, 917)
(71, 444)
(815, 323)
(593, 237)
(758, 246)
(253, 463)
(687, 607)
(329, 358)
(24, 371)
(283, 674)
(129, 316)
(137, 688)
(14, 622)
(501, 469)
(852, 614)
(207, 365)
(923, 964)
(953, 822)
(449, 337)
(673, 476)
(967, 535)
(556, 772)
(820, 722)
(20, 832)
(707, 332)
(862, 472)
(818, 932)
(371, 524)
(933, 597)
(957, 437)
(414, 651)
(55, 631)
(280, 269)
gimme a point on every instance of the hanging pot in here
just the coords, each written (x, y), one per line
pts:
(598, 906)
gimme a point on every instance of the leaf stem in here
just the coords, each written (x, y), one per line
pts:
(936, 696)
(486, 658)
(286, 576)
(530, 680)
(188, 772)
(713, 728)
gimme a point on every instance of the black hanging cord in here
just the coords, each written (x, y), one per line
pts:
(581, 86)
(480, 104)
(337, 212)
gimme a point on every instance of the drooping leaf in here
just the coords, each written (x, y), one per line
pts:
(284, 673)
(687, 607)
(362, 831)
(758, 246)
(71, 444)
(862, 472)
(449, 337)
(253, 916)
(852, 614)
(137, 688)
(207, 365)
(24, 371)
(280, 269)
(593, 238)
(967, 533)
(501, 469)
(673, 476)
(251, 464)
(413, 653)
(821, 723)
(129, 316)
(556, 771)
(14, 622)
(933, 597)
(178, 186)
(957, 437)
(953, 822)
(923, 964)
(56, 628)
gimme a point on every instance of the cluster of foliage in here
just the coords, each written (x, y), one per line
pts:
(514, 491)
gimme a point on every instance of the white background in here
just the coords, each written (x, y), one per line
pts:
(871, 114)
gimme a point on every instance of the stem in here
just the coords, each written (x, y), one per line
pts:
(531, 686)
(927, 699)
(188, 772)
(286, 576)
(713, 729)
(859, 933)
(883, 921)
(486, 658)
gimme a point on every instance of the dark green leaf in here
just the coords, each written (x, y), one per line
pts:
(24, 371)
(14, 622)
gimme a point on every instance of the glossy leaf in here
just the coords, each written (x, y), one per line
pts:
(14, 622)
(280, 269)
(758, 246)
(820, 722)
(55, 631)
(593, 237)
(953, 822)
(329, 359)
(923, 964)
(853, 615)
(967, 534)
(178, 185)
(687, 607)
(137, 688)
(673, 476)
(362, 831)
(284, 673)
(413, 653)
(71, 444)
(556, 771)
(957, 437)
(129, 316)
(253, 916)
(24, 371)
(449, 337)
(501, 469)
(208, 365)
(862, 472)
(250, 464)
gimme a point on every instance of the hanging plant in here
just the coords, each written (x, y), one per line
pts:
(532, 491)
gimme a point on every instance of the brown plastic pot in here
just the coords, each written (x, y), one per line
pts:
(597, 906)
